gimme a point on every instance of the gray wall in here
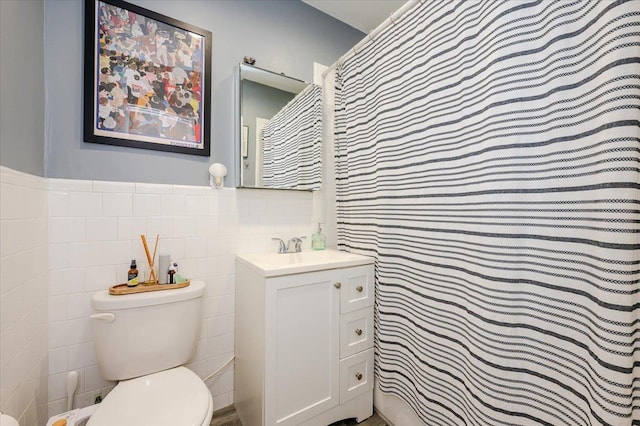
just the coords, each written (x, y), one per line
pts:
(283, 35)
(22, 85)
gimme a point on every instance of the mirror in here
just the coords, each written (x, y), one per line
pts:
(280, 131)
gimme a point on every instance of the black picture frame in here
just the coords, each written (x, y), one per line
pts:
(147, 80)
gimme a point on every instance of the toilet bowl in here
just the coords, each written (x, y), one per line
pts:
(168, 398)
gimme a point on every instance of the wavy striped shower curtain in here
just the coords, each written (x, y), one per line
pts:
(487, 157)
(291, 143)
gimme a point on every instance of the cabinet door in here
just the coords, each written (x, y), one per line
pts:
(301, 347)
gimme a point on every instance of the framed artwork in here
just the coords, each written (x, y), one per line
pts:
(147, 79)
(245, 141)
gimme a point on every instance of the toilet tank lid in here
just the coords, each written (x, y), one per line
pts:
(103, 301)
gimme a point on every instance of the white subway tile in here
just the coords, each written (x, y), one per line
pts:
(65, 229)
(117, 204)
(101, 228)
(227, 304)
(211, 306)
(10, 273)
(206, 266)
(115, 252)
(107, 186)
(58, 308)
(70, 185)
(57, 386)
(59, 255)
(85, 204)
(13, 202)
(207, 226)
(66, 281)
(184, 227)
(218, 325)
(197, 206)
(195, 247)
(130, 228)
(85, 254)
(173, 205)
(159, 225)
(207, 348)
(58, 360)
(205, 191)
(225, 381)
(102, 277)
(146, 204)
(218, 246)
(225, 343)
(78, 305)
(82, 355)
(174, 247)
(153, 188)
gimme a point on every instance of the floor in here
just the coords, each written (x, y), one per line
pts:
(228, 417)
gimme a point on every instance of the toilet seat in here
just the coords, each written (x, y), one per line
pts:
(168, 398)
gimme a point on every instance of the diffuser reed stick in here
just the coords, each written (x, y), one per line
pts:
(154, 279)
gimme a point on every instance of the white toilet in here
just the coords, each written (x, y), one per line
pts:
(142, 340)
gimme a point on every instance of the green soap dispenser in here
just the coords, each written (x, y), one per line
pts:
(319, 240)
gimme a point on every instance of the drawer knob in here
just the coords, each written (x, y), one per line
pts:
(358, 332)
(359, 376)
(359, 289)
(337, 285)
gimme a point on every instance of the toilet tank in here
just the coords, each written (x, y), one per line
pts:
(143, 333)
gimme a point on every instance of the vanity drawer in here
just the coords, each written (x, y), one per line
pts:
(356, 290)
(356, 375)
(356, 331)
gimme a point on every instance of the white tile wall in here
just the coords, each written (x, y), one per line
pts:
(23, 297)
(94, 232)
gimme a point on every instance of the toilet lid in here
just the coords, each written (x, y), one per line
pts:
(168, 398)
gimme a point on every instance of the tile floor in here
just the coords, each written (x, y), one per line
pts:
(228, 417)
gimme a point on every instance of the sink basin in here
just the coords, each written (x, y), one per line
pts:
(276, 264)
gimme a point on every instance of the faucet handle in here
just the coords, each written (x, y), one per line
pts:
(282, 247)
(298, 243)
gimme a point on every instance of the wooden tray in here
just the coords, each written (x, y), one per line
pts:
(121, 289)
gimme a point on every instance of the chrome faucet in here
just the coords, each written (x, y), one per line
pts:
(281, 247)
(294, 245)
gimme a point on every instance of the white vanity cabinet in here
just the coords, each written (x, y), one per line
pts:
(303, 338)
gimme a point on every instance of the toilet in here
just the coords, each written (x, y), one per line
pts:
(142, 340)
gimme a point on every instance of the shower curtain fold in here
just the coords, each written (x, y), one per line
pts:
(291, 143)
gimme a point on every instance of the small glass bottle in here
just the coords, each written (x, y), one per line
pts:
(132, 275)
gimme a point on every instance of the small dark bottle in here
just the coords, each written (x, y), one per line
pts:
(132, 276)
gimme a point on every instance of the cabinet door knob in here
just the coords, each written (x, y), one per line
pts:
(359, 289)
(359, 376)
(337, 285)
(358, 332)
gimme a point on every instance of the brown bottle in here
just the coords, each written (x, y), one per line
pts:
(132, 275)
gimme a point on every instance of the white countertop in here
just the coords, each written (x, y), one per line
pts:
(277, 264)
